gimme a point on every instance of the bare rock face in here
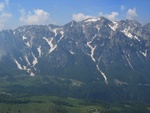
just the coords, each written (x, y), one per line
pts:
(87, 50)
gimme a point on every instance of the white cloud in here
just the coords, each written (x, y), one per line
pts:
(123, 7)
(38, 17)
(2, 6)
(6, 15)
(4, 18)
(131, 14)
(81, 16)
(112, 16)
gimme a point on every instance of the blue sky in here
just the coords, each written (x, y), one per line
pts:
(14, 13)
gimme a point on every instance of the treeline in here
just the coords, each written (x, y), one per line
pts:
(9, 99)
(91, 91)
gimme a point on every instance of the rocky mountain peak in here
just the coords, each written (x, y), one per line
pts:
(92, 49)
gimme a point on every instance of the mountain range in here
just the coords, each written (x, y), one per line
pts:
(95, 49)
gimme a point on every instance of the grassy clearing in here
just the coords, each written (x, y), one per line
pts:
(27, 95)
(49, 104)
(44, 104)
(54, 104)
(25, 108)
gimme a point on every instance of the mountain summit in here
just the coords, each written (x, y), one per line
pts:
(92, 49)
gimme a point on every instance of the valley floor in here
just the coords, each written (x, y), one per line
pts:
(59, 95)
(53, 104)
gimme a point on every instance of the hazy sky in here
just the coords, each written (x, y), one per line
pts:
(14, 13)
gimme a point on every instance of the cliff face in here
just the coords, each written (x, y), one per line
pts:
(92, 49)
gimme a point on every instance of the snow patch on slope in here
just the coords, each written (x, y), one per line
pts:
(92, 20)
(27, 60)
(92, 57)
(114, 27)
(139, 56)
(18, 65)
(28, 44)
(62, 35)
(92, 51)
(128, 34)
(30, 72)
(72, 52)
(98, 28)
(35, 61)
(55, 31)
(39, 51)
(92, 48)
(103, 74)
(144, 53)
(135, 37)
(129, 62)
(52, 47)
(24, 38)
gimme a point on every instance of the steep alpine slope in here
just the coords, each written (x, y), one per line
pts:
(92, 49)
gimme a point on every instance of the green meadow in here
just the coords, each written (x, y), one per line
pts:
(57, 95)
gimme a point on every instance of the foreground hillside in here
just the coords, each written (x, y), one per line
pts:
(51, 104)
(25, 86)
